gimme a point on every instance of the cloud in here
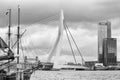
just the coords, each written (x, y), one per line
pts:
(85, 36)
(115, 23)
(75, 10)
(39, 39)
(93, 10)
(82, 17)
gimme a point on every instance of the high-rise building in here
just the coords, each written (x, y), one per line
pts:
(109, 51)
(104, 31)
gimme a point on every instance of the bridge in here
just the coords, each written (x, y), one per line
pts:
(56, 49)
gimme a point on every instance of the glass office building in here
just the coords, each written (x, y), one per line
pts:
(104, 31)
(109, 51)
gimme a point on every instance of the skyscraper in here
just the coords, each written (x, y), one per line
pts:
(109, 51)
(104, 31)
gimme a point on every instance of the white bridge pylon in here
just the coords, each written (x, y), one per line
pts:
(56, 49)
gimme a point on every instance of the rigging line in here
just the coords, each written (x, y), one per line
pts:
(12, 39)
(6, 63)
(20, 38)
(25, 48)
(75, 43)
(29, 49)
(11, 42)
(34, 50)
(8, 66)
(22, 48)
(70, 44)
(6, 39)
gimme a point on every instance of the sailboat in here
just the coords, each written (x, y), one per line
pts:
(4, 75)
(10, 56)
(17, 75)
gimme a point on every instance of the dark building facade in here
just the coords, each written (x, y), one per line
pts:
(104, 31)
(109, 51)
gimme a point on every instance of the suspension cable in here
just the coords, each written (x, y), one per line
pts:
(46, 19)
(75, 44)
(70, 44)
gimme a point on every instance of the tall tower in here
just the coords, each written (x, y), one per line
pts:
(104, 31)
(56, 49)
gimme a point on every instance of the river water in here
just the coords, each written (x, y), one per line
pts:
(75, 75)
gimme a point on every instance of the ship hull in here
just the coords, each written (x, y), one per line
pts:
(4, 76)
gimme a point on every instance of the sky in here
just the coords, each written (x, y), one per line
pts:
(82, 17)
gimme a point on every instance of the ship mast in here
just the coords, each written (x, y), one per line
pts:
(9, 33)
(18, 36)
(18, 33)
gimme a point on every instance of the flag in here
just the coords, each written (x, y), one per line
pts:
(3, 44)
(6, 13)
